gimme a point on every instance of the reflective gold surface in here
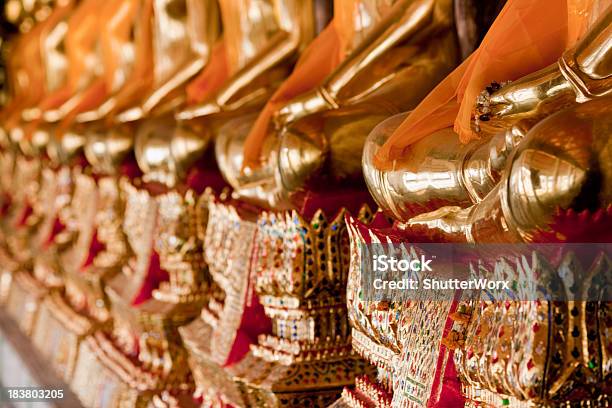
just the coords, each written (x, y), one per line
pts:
(325, 128)
(442, 176)
(438, 170)
(582, 73)
(144, 287)
(263, 37)
(105, 149)
(165, 152)
(184, 32)
(538, 181)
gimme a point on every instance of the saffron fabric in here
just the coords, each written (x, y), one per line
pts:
(528, 35)
(315, 64)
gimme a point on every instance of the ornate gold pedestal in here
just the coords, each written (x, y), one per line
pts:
(217, 338)
(58, 333)
(301, 275)
(367, 393)
(401, 339)
(29, 246)
(142, 355)
(543, 353)
(24, 299)
(105, 377)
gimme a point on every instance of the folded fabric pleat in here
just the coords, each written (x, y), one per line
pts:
(528, 35)
(216, 72)
(316, 63)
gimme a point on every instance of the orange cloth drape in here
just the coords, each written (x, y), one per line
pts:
(317, 62)
(119, 16)
(216, 72)
(526, 36)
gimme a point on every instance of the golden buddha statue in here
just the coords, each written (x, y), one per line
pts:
(561, 359)
(173, 159)
(350, 99)
(240, 71)
(312, 126)
(515, 211)
(524, 180)
(183, 33)
(160, 283)
(247, 65)
(469, 174)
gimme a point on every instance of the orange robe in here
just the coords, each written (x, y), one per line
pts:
(318, 61)
(528, 35)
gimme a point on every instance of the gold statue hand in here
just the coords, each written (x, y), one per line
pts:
(408, 26)
(531, 97)
(581, 74)
(317, 100)
(253, 80)
(563, 164)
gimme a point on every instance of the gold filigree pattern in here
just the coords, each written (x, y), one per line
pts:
(230, 239)
(301, 272)
(538, 352)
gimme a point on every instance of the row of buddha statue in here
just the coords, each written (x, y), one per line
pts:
(186, 186)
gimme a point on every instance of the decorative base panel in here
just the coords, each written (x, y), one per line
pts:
(366, 394)
(214, 384)
(304, 383)
(24, 299)
(58, 333)
(96, 385)
(104, 377)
